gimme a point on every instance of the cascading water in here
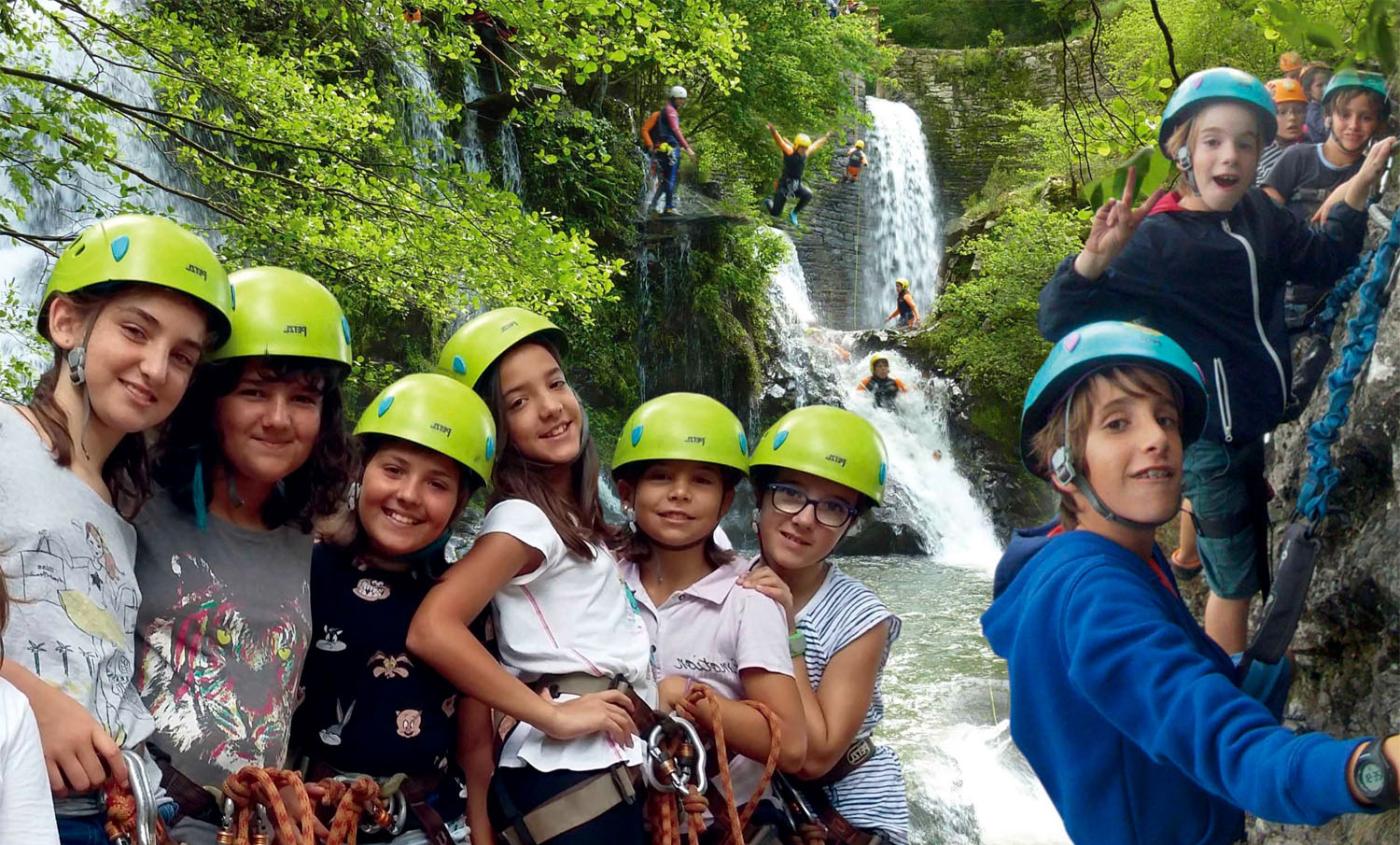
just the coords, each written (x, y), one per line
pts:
(511, 177)
(946, 694)
(417, 118)
(903, 232)
(469, 136)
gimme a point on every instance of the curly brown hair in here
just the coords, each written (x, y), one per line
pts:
(318, 488)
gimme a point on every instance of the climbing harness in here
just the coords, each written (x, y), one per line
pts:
(1298, 555)
(131, 812)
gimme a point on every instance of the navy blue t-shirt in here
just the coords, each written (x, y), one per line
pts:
(370, 707)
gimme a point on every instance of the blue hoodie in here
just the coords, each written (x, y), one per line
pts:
(1130, 715)
(1213, 282)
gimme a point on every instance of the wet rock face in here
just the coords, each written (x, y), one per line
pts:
(1348, 645)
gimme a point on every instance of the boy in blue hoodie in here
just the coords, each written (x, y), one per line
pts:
(1207, 265)
(1130, 715)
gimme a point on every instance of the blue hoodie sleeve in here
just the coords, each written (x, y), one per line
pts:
(1320, 255)
(1146, 677)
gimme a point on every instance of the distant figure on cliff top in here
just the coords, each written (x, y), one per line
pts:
(904, 307)
(795, 153)
(855, 161)
(662, 137)
(881, 385)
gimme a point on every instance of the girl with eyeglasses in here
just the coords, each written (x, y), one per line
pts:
(814, 473)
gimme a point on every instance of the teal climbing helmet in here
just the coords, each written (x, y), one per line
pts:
(1358, 79)
(1215, 85)
(1097, 346)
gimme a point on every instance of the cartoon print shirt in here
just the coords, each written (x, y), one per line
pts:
(222, 636)
(68, 558)
(370, 707)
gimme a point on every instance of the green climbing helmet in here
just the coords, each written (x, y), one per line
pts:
(1098, 346)
(474, 347)
(1361, 79)
(830, 443)
(437, 413)
(283, 312)
(144, 249)
(1215, 85)
(683, 427)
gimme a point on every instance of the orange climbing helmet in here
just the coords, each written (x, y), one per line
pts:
(1290, 62)
(1286, 90)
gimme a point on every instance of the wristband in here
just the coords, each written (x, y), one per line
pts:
(797, 644)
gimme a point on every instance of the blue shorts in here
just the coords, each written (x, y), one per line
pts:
(1229, 503)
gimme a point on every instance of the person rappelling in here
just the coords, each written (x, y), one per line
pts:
(855, 162)
(795, 154)
(662, 137)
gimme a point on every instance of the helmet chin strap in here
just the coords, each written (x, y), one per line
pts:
(1332, 133)
(1062, 468)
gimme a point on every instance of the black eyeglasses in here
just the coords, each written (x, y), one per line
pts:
(832, 513)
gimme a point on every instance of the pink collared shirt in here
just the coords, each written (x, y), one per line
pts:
(711, 631)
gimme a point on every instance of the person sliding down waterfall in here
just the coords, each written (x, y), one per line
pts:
(855, 162)
(880, 385)
(668, 140)
(795, 155)
(904, 307)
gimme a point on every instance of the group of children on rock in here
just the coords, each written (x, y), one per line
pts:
(203, 566)
(163, 487)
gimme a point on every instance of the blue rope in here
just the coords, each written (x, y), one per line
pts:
(1322, 476)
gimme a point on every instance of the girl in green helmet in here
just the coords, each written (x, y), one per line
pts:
(677, 463)
(561, 612)
(129, 309)
(255, 452)
(370, 707)
(814, 472)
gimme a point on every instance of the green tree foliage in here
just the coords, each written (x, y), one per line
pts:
(965, 23)
(984, 329)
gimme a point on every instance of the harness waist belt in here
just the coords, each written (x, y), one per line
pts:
(857, 755)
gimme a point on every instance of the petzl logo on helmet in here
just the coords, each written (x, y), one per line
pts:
(508, 326)
(294, 329)
(198, 271)
(836, 459)
(445, 429)
(695, 438)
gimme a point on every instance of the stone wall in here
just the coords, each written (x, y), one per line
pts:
(829, 243)
(966, 100)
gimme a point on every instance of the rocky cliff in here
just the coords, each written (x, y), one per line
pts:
(1347, 651)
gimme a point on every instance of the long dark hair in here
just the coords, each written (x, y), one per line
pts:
(126, 472)
(631, 543)
(191, 436)
(577, 520)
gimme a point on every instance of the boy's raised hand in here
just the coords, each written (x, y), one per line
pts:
(1358, 189)
(1113, 227)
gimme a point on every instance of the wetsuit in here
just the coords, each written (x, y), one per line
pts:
(790, 184)
(905, 304)
(885, 390)
(854, 162)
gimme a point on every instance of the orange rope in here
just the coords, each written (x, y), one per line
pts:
(252, 787)
(661, 806)
(121, 816)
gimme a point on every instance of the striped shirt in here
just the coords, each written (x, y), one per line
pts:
(1268, 157)
(872, 797)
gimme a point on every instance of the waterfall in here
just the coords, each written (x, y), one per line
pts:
(904, 229)
(82, 194)
(510, 159)
(419, 126)
(469, 137)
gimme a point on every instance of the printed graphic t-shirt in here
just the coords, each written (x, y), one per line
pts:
(370, 707)
(67, 558)
(224, 626)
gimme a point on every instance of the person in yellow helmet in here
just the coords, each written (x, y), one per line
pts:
(855, 161)
(795, 153)
(881, 385)
(904, 308)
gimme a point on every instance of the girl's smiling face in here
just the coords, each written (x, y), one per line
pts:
(542, 413)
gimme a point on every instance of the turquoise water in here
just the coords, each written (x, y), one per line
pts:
(946, 706)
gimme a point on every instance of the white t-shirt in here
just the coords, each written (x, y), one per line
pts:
(26, 808)
(711, 631)
(570, 614)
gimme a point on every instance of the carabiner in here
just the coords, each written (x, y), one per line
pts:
(143, 797)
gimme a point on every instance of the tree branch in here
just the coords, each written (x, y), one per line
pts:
(1167, 37)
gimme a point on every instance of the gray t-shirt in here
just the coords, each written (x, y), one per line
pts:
(222, 637)
(68, 560)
